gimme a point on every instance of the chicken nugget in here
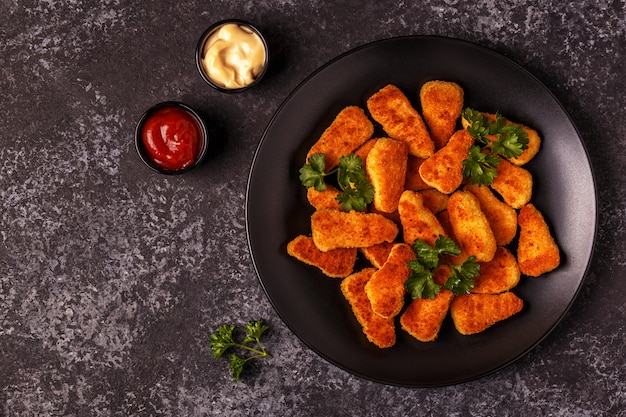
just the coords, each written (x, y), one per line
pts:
(418, 222)
(435, 200)
(377, 254)
(502, 217)
(324, 199)
(385, 289)
(386, 170)
(444, 170)
(537, 251)
(513, 183)
(350, 129)
(423, 317)
(500, 274)
(378, 330)
(471, 227)
(336, 263)
(332, 229)
(473, 313)
(414, 180)
(442, 103)
(365, 149)
(393, 110)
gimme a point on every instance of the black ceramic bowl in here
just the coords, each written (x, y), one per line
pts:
(172, 109)
(203, 65)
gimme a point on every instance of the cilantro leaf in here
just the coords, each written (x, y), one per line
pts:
(420, 283)
(478, 124)
(479, 167)
(461, 279)
(350, 199)
(446, 246)
(511, 141)
(426, 255)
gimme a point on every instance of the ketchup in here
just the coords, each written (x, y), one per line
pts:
(172, 138)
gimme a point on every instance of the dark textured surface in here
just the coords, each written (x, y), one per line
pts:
(113, 277)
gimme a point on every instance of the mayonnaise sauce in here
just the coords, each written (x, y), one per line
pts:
(233, 56)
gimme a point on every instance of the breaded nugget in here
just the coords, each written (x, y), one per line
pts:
(435, 200)
(470, 226)
(537, 251)
(502, 217)
(378, 330)
(442, 103)
(500, 274)
(393, 110)
(350, 129)
(423, 317)
(332, 229)
(336, 263)
(377, 254)
(418, 222)
(414, 180)
(473, 313)
(324, 199)
(386, 170)
(444, 170)
(513, 183)
(385, 289)
(365, 149)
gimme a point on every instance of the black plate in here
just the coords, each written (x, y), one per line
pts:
(312, 306)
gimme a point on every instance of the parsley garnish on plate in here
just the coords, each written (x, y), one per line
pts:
(356, 190)
(421, 284)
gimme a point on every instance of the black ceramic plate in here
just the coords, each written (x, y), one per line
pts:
(312, 305)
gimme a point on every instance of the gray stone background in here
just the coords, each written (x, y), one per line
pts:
(112, 277)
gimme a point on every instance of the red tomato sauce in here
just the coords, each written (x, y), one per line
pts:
(172, 138)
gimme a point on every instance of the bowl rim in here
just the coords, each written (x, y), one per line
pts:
(213, 28)
(139, 145)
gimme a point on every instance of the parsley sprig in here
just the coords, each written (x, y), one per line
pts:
(222, 339)
(356, 190)
(421, 284)
(501, 137)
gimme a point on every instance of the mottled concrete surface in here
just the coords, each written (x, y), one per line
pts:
(112, 277)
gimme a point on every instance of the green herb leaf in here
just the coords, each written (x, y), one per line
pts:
(420, 283)
(446, 246)
(478, 124)
(461, 279)
(511, 140)
(426, 255)
(221, 340)
(312, 173)
(479, 167)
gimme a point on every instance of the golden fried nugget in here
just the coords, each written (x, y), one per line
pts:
(471, 227)
(377, 254)
(537, 252)
(350, 129)
(444, 170)
(378, 330)
(502, 217)
(500, 274)
(393, 110)
(414, 180)
(365, 149)
(332, 229)
(442, 102)
(435, 200)
(418, 222)
(386, 170)
(324, 199)
(336, 263)
(513, 183)
(385, 289)
(423, 317)
(473, 313)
